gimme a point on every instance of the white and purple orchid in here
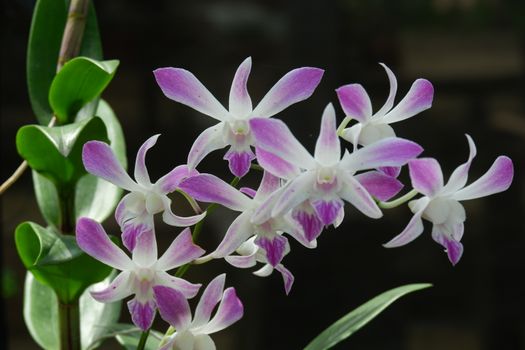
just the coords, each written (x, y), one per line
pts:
(268, 230)
(441, 203)
(373, 127)
(233, 129)
(193, 334)
(136, 210)
(141, 273)
(321, 182)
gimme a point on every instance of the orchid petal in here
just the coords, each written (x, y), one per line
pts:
(209, 188)
(250, 192)
(393, 151)
(131, 230)
(242, 261)
(230, 311)
(328, 148)
(276, 165)
(418, 98)
(181, 251)
(379, 185)
(93, 240)
(274, 247)
(357, 195)
(145, 252)
(452, 245)
(182, 86)
(392, 93)
(288, 278)
(497, 179)
(238, 232)
(189, 290)
(141, 172)
(171, 181)
(372, 132)
(355, 102)
(273, 136)
(269, 184)
(353, 134)
(239, 162)
(209, 299)
(118, 289)
(426, 176)
(295, 192)
(208, 141)
(240, 101)
(179, 221)
(297, 85)
(412, 230)
(142, 313)
(203, 342)
(392, 171)
(264, 271)
(309, 221)
(327, 210)
(459, 177)
(173, 307)
(99, 160)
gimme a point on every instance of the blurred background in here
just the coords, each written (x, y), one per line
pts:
(473, 51)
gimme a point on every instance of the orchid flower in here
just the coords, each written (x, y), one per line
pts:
(136, 210)
(268, 230)
(441, 203)
(374, 127)
(324, 180)
(141, 272)
(249, 254)
(193, 334)
(182, 86)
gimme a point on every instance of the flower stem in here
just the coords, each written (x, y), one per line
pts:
(69, 325)
(343, 125)
(399, 201)
(143, 339)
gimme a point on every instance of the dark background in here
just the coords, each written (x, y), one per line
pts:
(473, 51)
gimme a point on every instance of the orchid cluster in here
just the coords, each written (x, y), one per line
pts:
(299, 195)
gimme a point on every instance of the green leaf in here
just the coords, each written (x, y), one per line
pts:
(57, 262)
(47, 199)
(359, 317)
(79, 81)
(41, 314)
(47, 28)
(130, 340)
(56, 152)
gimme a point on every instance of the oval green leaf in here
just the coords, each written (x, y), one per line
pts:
(356, 319)
(80, 81)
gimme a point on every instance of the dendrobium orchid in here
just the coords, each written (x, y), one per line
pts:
(374, 127)
(182, 86)
(141, 273)
(325, 180)
(441, 203)
(268, 230)
(136, 210)
(193, 334)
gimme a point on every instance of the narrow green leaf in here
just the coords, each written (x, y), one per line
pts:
(41, 314)
(56, 262)
(47, 28)
(356, 319)
(80, 81)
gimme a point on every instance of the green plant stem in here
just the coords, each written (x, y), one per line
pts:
(343, 125)
(143, 339)
(69, 325)
(66, 197)
(399, 201)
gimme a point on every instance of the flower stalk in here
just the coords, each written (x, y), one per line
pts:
(69, 325)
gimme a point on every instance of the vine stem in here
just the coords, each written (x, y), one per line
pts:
(397, 202)
(69, 325)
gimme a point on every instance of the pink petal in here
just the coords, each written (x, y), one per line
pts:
(392, 171)
(173, 307)
(189, 290)
(497, 179)
(182, 86)
(239, 231)
(392, 151)
(99, 160)
(93, 240)
(426, 175)
(241, 261)
(411, 231)
(276, 165)
(418, 98)
(239, 162)
(357, 195)
(328, 148)
(269, 184)
(250, 192)
(208, 141)
(240, 101)
(309, 221)
(327, 210)
(179, 221)
(273, 136)
(297, 85)
(209, 299)
(452, 246)
(295, 192)
(142, 313)
(459, 177)
(145, 252)
(181, 251)
(288, 278)
(170, 182)
(141, 172)
(230, 311)
(380, 185)
(209, 188)
(274, 247)
(392, 93)
(355, 102)
(118, 289)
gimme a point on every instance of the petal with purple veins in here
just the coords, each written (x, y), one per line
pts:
(181, 251)
(453, 247)
(309, 221)
(142, 313)
(239, 162)
(380, 185)
(355, 102)
(274, 247)
(327, 210)
(288, 278)
(173, 307)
